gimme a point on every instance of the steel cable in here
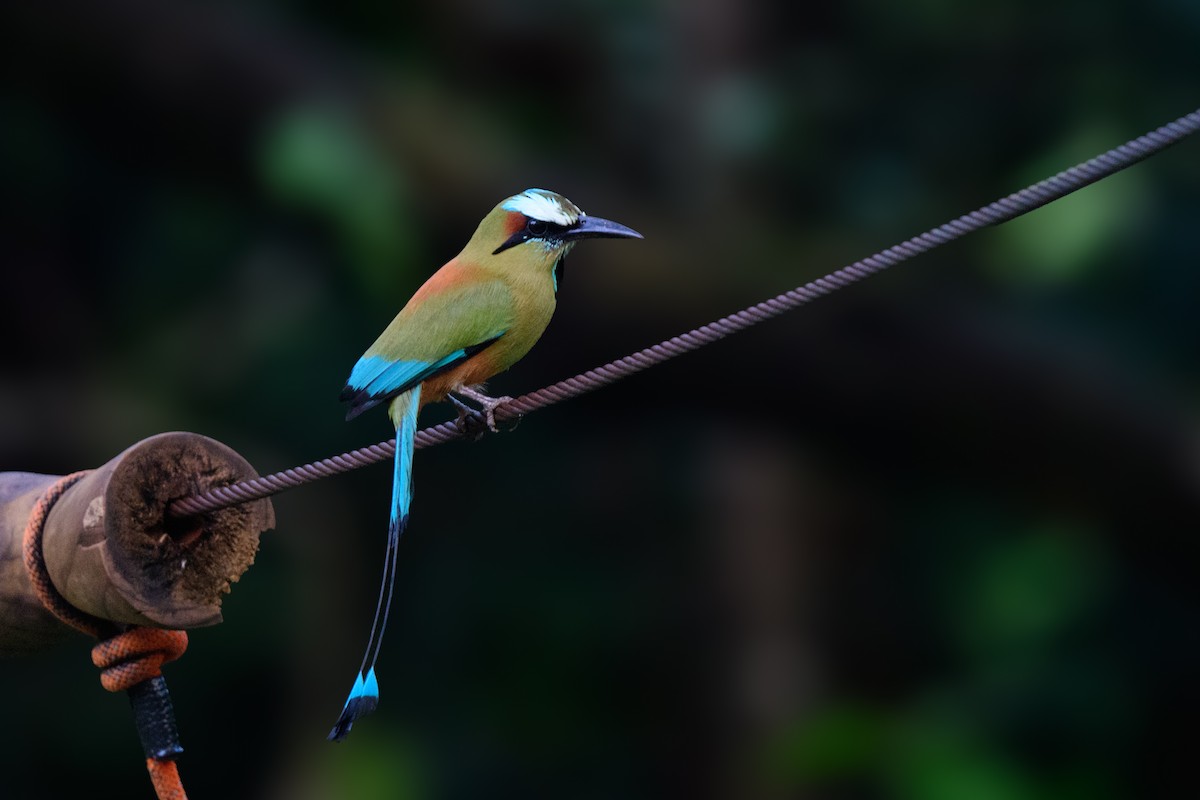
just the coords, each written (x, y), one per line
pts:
(1002, 210)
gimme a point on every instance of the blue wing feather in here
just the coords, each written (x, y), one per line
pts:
(377, 379)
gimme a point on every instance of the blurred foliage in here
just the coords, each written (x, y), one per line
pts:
(931, 538)
(1061, 242)
(314, 160)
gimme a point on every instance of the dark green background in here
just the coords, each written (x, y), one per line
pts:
(930, 538)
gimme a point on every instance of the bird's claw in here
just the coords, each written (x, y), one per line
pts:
(489, 411)
(487, 404)
(467, 420)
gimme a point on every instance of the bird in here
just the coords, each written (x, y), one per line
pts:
(473, 318)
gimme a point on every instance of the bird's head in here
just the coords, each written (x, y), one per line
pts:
(534, 231)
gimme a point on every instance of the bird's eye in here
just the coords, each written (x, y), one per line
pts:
(535, 227)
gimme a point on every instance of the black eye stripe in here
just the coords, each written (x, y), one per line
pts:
(534, 229)
(540, 228)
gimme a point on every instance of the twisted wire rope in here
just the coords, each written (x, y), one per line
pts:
(1003, 210)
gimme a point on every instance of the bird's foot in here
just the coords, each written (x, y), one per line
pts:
(465, 415)
(487, 403)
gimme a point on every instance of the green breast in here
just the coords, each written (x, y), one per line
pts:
(533, 306)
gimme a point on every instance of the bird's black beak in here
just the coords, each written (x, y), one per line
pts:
(597, 228)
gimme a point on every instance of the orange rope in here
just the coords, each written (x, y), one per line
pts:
(35, 563)
(165, 777)
(136, 655)
(126, 659)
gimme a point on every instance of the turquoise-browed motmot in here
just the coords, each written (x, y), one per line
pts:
(475, 317)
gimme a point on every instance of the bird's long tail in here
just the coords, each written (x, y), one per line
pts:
(364, 695)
